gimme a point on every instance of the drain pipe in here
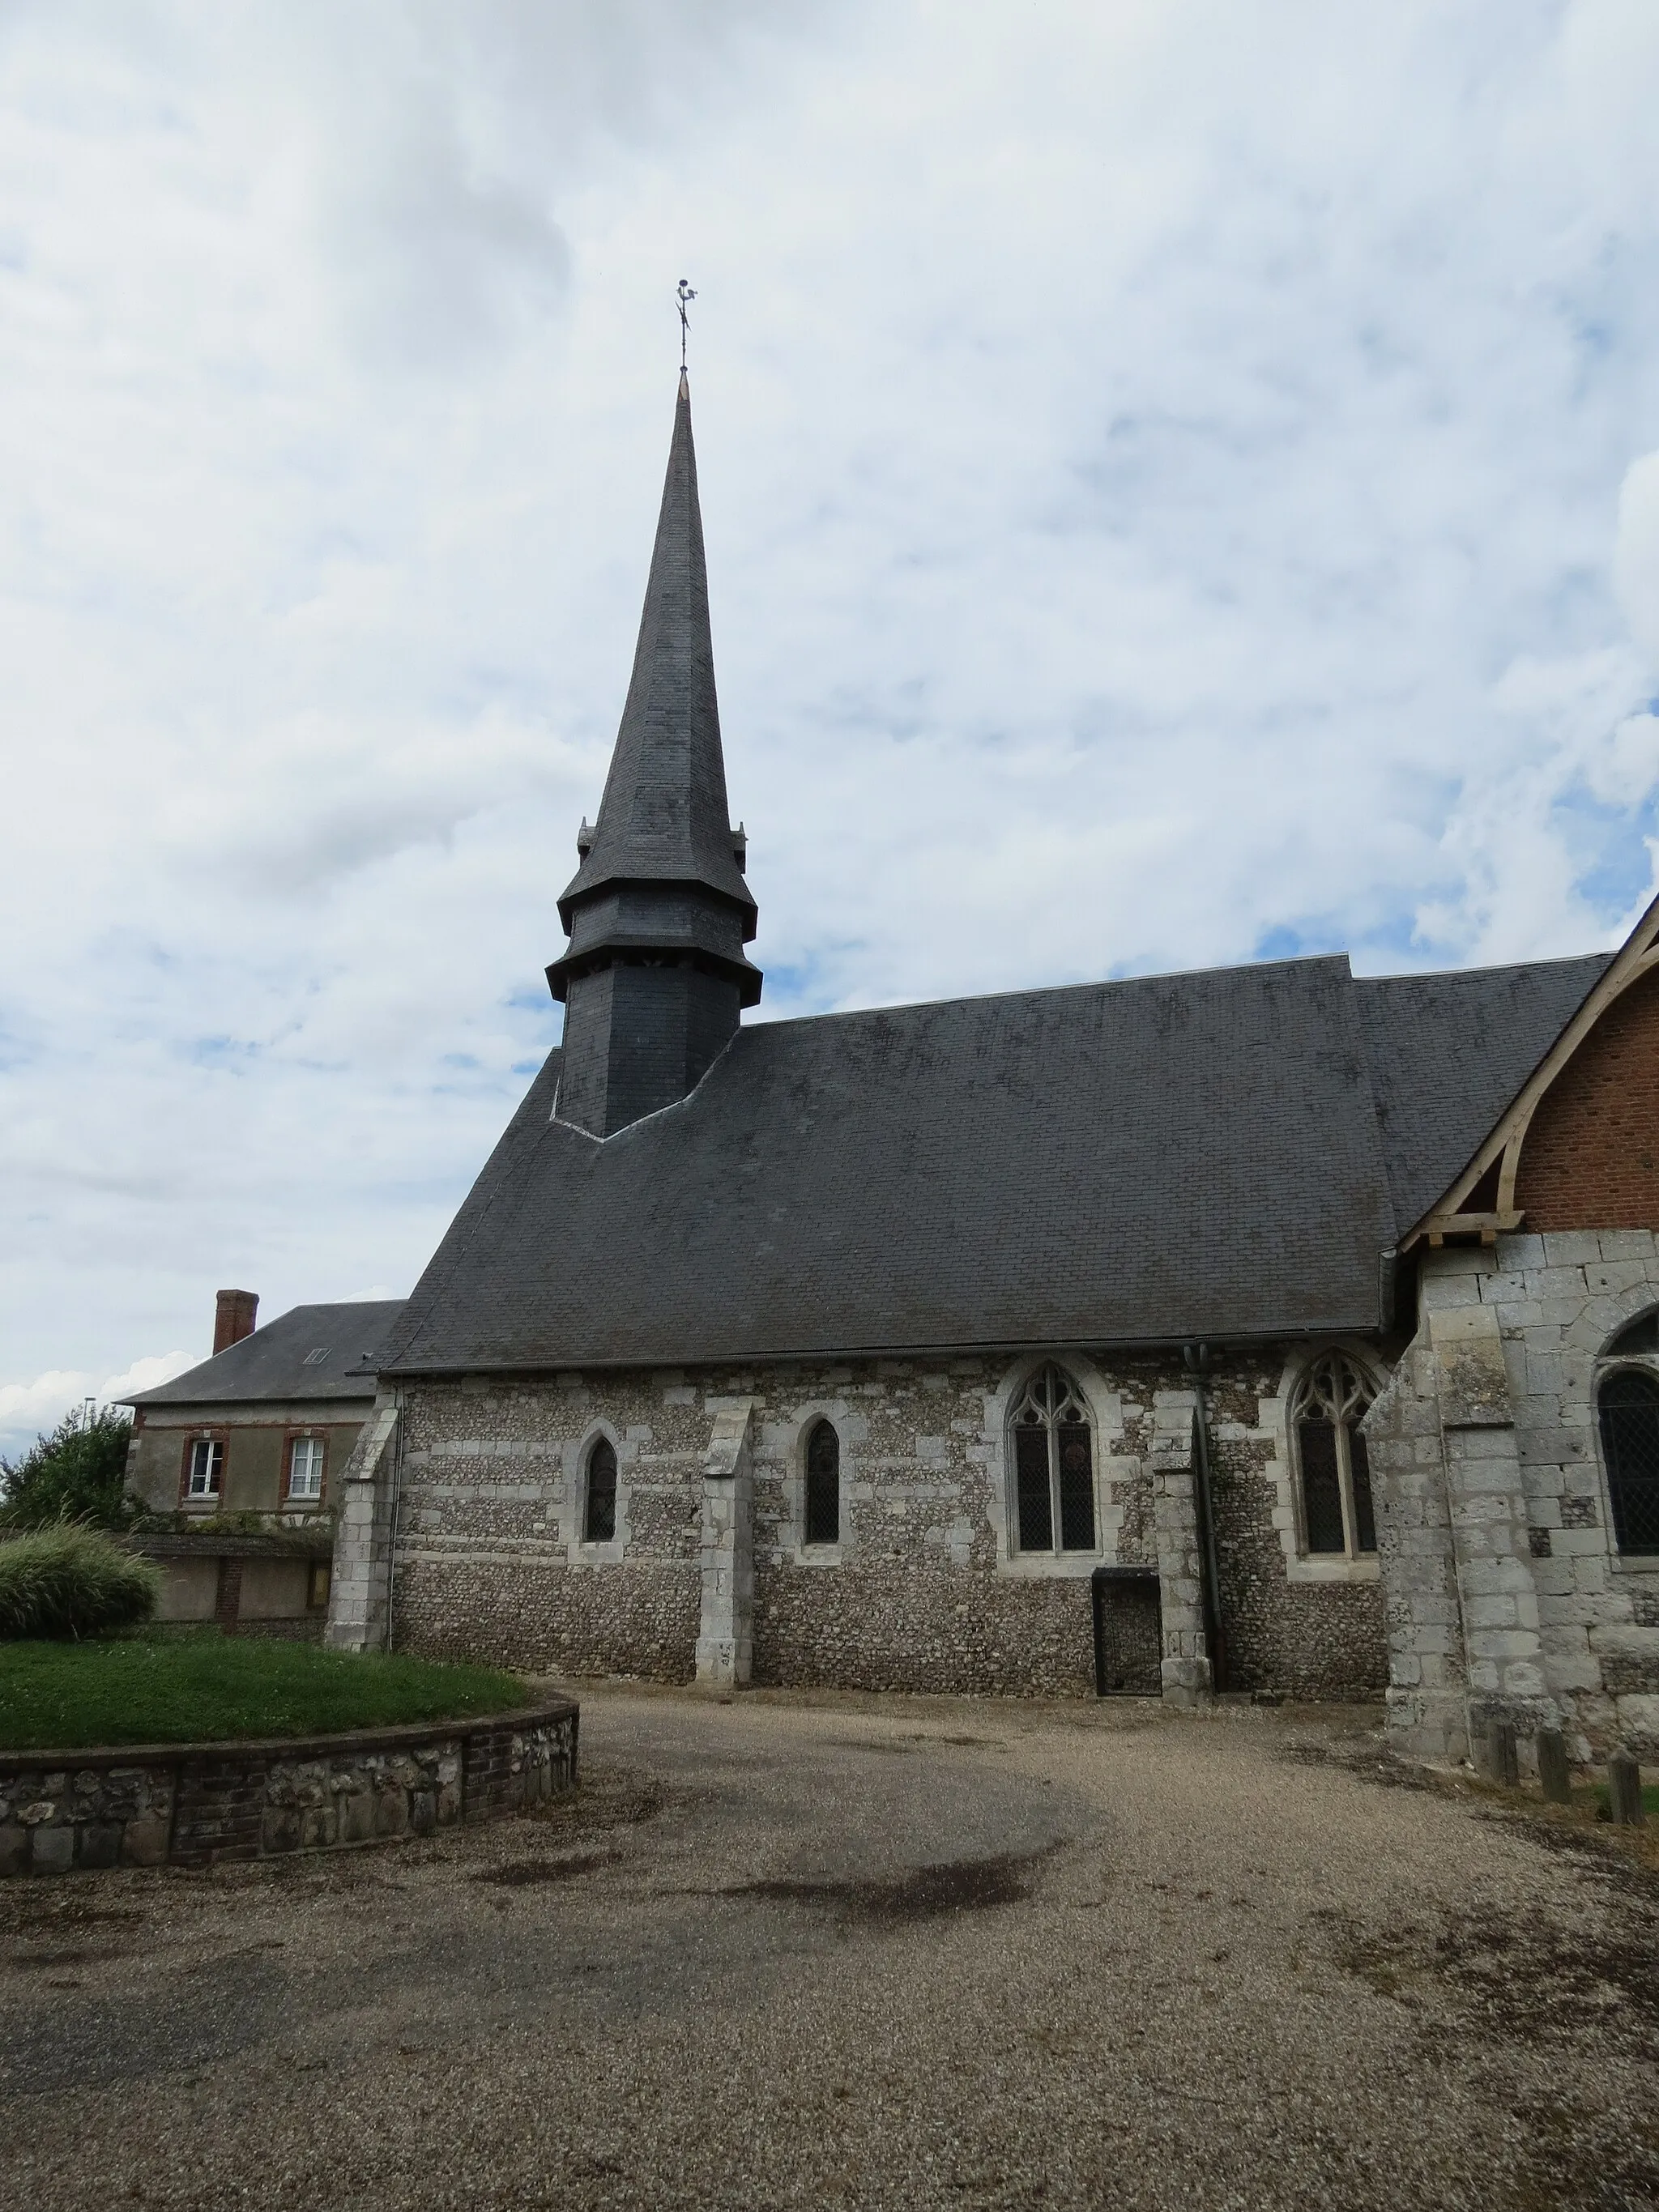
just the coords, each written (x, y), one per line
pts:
(1195, 1358)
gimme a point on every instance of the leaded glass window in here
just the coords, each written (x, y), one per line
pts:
(599, 1515)
(823, 1484)
(1054, 1466)
(1338, 1518)
(1628, 1405)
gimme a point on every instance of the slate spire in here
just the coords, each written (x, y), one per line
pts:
(657, 912)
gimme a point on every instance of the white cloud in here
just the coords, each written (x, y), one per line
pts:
(1173, 482)
(43, 1403)
(1635, 555)
(31, 1409)
(145, 1375)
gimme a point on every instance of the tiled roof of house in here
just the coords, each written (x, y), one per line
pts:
(310, 1352)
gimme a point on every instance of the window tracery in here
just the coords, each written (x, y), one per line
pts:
(1053, 1465)
(1338, 1517)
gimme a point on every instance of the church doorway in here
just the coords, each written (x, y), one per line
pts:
(1128, 1632)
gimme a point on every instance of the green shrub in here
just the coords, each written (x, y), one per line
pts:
(79, 1473)
(71, 1581)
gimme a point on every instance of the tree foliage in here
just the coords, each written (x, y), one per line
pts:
(78, 1473)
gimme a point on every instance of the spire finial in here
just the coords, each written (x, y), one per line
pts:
(683, 298)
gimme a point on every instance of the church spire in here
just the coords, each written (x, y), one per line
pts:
(657, 912)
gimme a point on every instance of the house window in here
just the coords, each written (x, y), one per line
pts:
(1627, 1404)
(599, 1513)
(305, 1467)
(1338, 1521)
(1054, 1466)
(205, 1466)
(823, 1484)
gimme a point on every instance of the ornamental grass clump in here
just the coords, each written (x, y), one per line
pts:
(72, 1581)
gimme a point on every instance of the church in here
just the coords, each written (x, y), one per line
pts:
(1265, 1330)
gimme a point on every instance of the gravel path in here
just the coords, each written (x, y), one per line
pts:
(845, 1952)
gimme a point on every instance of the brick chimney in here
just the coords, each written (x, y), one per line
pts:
(233, 1318)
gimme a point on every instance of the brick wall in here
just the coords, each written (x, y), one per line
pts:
(1591, 1156)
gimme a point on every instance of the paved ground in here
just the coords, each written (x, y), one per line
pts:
(858, 1953)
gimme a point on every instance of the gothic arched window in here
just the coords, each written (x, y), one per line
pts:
(1337, 1516)
(1627, 1405)
(823, 1484)
(1641, 1335)
(1053, 1465)
(599, 1509)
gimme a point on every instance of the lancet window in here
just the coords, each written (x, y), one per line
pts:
(599, 1509)
(823, 1484)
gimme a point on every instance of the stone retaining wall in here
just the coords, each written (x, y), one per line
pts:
(199, 1804)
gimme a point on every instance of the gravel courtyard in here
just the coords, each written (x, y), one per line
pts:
(905, 1951)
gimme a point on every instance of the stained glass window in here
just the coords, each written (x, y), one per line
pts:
(1054, 1466)
(1338, 1520)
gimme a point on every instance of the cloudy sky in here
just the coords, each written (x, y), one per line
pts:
(1181, 482)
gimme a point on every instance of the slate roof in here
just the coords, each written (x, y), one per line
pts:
(1225, 1155)
(1448, 1053)
(663, 817)
(279, 1360)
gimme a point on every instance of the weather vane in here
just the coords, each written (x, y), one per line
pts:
(684, 296)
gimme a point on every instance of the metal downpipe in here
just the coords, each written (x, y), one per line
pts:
(1196, 1359)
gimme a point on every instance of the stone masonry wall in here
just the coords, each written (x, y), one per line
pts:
(489, 1561)
(53, 1819)
(1508, 1597)
(1559, 1298)
(919, 1594)
(198, 1804)
(1315, 1640)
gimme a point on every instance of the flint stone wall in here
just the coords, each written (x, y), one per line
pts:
(919, 1594)
(199, 1804)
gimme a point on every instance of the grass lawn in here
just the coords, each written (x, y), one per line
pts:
(1603, 1799)
(159, 1689)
